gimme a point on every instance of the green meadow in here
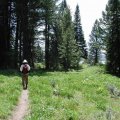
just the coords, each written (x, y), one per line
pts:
(87, 94)
(10, 91)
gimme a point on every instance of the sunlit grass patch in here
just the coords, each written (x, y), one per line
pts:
(72, 95)
(9, 94)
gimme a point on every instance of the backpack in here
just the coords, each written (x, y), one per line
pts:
(25, 69)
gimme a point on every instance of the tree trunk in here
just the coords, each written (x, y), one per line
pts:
(46, 46)
(96, 56)
(16, 43)
(4, 41)
(26, 41)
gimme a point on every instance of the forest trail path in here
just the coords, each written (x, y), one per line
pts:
(22, 108)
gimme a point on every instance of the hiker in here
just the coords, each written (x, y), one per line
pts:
(25, 68)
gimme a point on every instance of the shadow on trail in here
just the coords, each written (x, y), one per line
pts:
(39, 72)
(33, 72)
(10, 72)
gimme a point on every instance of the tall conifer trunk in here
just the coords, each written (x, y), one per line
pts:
(4, 34)
(113, 43)
(25, 30)
(46, 45)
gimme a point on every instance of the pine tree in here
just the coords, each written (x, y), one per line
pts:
(63, 6)
(26, 30)
(4, 33)
(95, 44)
(39, 54)
(34, 22)
(104, 26)
(49, 9)
(21, 47)
(68, 50)
(79, 36)
(113, 42)
(18, 35)
(56, 36)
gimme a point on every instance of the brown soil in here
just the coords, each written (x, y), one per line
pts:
(22, 108)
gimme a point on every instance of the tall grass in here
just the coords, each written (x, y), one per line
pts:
(78, 95)
(9, 92)
(88, 94)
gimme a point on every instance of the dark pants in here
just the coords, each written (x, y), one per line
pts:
(25, 81)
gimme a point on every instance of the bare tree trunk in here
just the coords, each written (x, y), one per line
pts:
(46, 46)
(16, 43)
(26, 40)
(4, 34)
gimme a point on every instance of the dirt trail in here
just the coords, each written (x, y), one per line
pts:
(22, 108)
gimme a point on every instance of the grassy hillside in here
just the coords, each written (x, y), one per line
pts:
(89, 94)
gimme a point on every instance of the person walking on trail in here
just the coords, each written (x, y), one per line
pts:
(25, 68)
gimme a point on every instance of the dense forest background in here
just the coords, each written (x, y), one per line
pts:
(27, 24)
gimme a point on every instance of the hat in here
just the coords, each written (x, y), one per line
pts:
(25, 61)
